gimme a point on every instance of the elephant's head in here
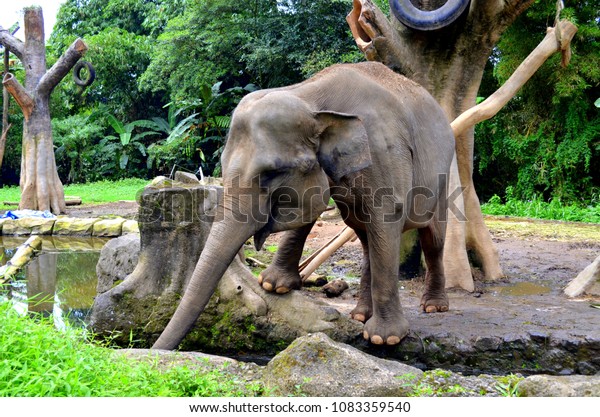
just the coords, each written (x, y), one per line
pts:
(277, 163)
(407, 13)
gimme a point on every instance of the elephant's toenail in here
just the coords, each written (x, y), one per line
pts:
(267, 286)
(393, 340)
(359, 317)
(377, 340)
(260, 279)
(366, 335)
(431, 309)
(282, 290)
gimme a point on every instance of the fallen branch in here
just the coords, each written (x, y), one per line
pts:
(321, 255)
(552, 43)
(21, 257)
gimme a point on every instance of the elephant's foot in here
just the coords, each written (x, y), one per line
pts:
(435, 303)
(385, 332)
(279, 280)
(362, 312)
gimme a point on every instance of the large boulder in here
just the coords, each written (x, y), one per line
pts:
(316, 366)
(560, 386)
(118, 259)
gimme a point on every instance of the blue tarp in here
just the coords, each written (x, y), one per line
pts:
(19, 214)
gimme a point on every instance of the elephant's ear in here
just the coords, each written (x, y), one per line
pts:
(343, 144)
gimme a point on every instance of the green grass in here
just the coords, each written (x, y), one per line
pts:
(92, 193)
(538, 209)
(38, 360)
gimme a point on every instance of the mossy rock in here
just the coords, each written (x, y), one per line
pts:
(108, 227)
(130, 226)
(28, 226)
(71, 226)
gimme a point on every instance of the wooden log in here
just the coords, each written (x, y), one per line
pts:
(21, 257)
(326, 251)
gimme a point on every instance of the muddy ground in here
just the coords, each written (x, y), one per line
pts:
(522, 323)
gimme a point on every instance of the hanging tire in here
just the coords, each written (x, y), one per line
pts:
(77, 73)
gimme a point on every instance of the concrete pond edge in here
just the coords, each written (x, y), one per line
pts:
(68, 226)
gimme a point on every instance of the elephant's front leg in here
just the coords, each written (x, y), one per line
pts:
(387, 325)
(364, 308)
(282, 275)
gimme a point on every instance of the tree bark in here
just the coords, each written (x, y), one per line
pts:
(41, 188)
(449, 63)
(5, 103)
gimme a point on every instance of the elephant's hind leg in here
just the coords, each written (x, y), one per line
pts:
(282, 275)
(432, 241)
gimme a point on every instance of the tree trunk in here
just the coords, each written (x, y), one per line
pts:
(41, 189)
(449, 63)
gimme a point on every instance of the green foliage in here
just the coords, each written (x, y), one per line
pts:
(546, 142)
(95, 192)
(271, 41)
(536, 208)
(76, 158)
(204, 130)
(37, 360)
(507, 385)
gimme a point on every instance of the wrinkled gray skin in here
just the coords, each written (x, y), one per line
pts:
(374, 141)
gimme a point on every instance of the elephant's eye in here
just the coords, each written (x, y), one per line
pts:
(268, 176)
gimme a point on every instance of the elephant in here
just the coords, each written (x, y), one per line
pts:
(374, 141)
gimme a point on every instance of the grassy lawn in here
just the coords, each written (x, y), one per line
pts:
(38, 360)
(92, 193)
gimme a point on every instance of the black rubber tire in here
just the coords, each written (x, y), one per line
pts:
(418, 19)
(77, 73)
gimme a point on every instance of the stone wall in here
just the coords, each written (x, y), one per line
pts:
(68, 226)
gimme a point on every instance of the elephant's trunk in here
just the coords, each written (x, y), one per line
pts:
(418, 19)
(224, 241)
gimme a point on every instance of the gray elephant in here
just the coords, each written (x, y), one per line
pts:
(374, 141)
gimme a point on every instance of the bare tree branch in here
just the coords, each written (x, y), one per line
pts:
(19, 93)
(62, 67)
(488, 108)
(14, 45)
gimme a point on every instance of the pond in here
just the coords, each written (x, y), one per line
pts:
(59, 282)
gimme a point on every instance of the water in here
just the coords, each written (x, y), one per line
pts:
(524, 288)
(59, 282)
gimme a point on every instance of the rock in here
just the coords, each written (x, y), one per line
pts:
(314, 280)
(560, 386)
(130, 226)
(316, 366)
(186, 178)
(108, 227)
(245, 377)
(335, 288)
(73, 226)
(118, 259)
(585, 280)
(161, 182)
(28, 226)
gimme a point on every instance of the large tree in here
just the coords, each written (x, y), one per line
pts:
(449, 62)
(41, 188)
